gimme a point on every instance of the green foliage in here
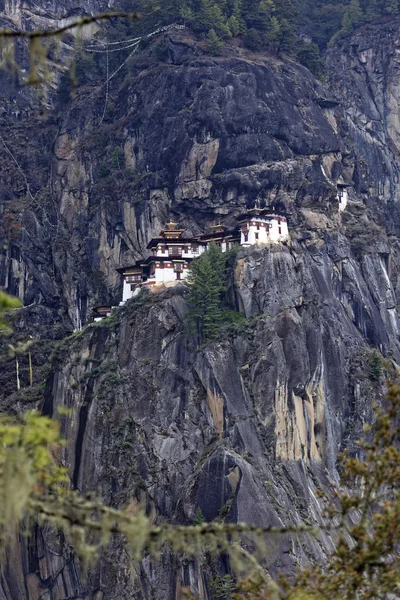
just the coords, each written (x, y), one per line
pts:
(213, 42)
(7, 305)
(391, 7)
(308, 55)
(207, 282)
(118, 158)
(27, 467)
(222, 587)
(375, 365)
(253, 39)
(274, 25)
(234, 25)
(198, 517)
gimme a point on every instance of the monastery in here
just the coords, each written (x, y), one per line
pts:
(171, 252)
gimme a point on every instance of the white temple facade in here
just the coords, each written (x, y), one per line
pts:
(259, 227)
(172, 252)
(342, 195)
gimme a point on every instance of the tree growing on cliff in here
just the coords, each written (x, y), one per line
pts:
(213, 43)
(206, 283)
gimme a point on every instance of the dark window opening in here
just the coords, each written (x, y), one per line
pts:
(256, 236)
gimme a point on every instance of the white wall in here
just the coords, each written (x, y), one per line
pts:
(126, 291)
(278, 233)
(343, 198)
(165, 275)
(272, 231)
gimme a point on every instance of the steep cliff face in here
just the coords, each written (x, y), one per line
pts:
(186, 131)
(246, 428)
(364, 71)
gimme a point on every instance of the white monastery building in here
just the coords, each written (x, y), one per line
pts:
(172, 252)
(259, 227)
(342, 194)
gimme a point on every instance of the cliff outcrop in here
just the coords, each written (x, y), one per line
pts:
(247, 428)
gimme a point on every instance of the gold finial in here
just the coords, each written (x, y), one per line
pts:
(171, 226)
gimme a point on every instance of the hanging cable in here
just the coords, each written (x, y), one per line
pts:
(107, 87)
(113, 50)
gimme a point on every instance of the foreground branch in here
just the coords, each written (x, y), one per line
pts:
(81, 22)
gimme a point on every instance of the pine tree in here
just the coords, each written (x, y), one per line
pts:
(274, 31)
(217, 22)
(355, 13)
(206, 283)
(253, 39)
(346, 22)
(234, 26)
(237, 9)
(204, 21)
(265, 11)
(391, 7)
(287, 39)
(186, 14)
(214, 43)
(308, 55)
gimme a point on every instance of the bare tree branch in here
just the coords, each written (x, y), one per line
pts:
(81, 22)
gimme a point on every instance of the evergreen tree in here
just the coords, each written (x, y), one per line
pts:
(355, 13)
(253, 39)
(391, 7)
(287, 39)
(204, 21)
(234, 25)
(265, 11)
(347, 25)
(217, 22)
(214, 43)
(206, 283)
(186, 14)
(223, 6)
(275, 30)
(237, 9)
(284, 10)
(308, 55)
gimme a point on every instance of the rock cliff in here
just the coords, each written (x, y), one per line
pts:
(249, 427)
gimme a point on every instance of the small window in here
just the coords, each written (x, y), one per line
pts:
(133, 286)
(279, 230)
(258, 226)
(256, 236)
(246, 237)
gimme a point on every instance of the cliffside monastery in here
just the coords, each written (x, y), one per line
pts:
(172, 252)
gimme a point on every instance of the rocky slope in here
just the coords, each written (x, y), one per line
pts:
(249, 427)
